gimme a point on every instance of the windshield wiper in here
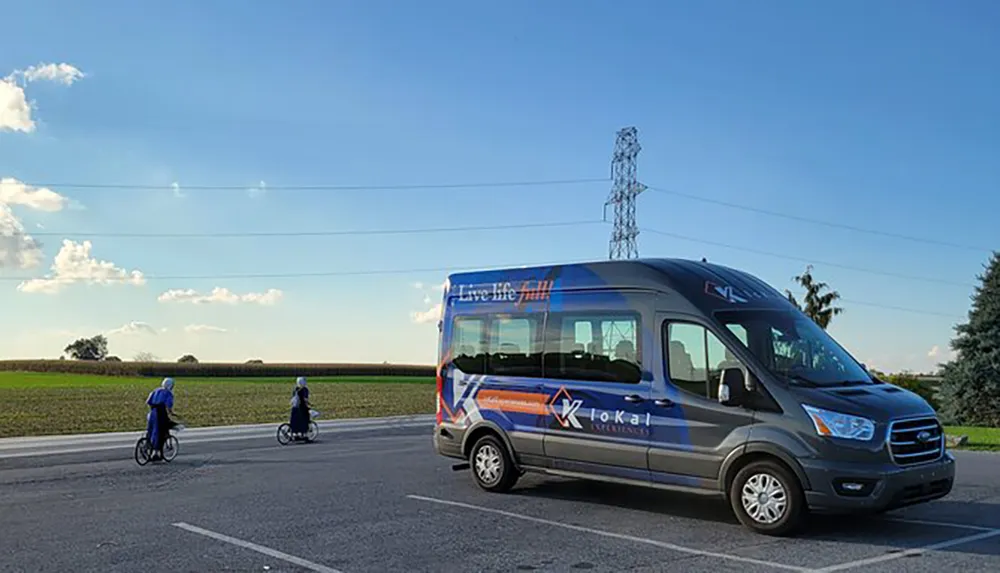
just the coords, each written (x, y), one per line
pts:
(799, 380)
(842, 383)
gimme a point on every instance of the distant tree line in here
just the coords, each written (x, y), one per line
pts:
(969, 392)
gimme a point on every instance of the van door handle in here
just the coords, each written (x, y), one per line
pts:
(633, 398)
(663, 402)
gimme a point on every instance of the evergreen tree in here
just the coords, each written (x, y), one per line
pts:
(970, 390)
(819, 304)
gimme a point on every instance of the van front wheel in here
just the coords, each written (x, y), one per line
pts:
(767, 498)
(492, 467)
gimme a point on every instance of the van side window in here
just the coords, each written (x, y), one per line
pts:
(515, 346)
(467, 348)
(593, 347)
(740, 331)
(696, 358)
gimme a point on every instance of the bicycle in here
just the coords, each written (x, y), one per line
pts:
(171, 446)
(287, 436)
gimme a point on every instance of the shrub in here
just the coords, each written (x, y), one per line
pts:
(214, 369)
(924, 388)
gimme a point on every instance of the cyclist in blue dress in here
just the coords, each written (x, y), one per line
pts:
(161, 408)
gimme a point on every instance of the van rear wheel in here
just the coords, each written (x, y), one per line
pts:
(767, 498)
(492, 466)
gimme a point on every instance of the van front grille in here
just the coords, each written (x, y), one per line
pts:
(916, 441)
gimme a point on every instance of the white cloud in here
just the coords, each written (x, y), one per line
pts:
(941, 354)
(15, 109)
(257, 191)
(131, 328)
(17, 249)
(204, 329)
(63, 73)
(431, 315)
(221, 295)
(14, 192)
(74, 264)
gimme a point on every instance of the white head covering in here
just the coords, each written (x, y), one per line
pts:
(300, 381)
(168, 383)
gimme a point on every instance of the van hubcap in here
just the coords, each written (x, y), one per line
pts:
(488, 463)
(764, 498)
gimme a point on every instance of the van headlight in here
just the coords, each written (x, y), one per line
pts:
(837, 425)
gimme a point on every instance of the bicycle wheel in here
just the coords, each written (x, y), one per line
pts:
(170, 449)
(284, 434)
(313, 432)
(142, 451)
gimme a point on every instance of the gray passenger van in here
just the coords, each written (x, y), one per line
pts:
(679, 375)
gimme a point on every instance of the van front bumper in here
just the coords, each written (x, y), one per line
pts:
(839, 487)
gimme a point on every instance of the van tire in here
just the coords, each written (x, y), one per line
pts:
(784, 502)
(492, 466)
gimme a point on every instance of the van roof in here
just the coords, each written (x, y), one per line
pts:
(689, 278)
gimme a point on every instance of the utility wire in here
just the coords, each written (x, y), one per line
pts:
(808, 260)
(376, 272)
(899, 308)
(328, 233)
(819, 221)
(554, 224)
(268, 187)
(527, 183)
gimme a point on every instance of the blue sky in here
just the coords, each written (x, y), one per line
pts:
(881, 116)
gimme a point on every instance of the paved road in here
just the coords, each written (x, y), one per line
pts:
(355, 502)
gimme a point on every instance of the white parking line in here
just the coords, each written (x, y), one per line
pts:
(258, 548)
(602, 533)
(938, 523)
(911, 552)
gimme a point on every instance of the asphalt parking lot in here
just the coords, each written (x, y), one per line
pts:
(364, 501)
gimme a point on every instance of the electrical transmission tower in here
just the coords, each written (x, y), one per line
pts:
(623, 194)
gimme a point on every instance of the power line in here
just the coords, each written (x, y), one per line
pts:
(554, 224)
(899, 308)
(275, 234)
(819, 221)
(808, 260)
(321, 187)
(296, 275)
(378, 272)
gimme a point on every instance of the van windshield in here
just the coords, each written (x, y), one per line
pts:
(794, 347)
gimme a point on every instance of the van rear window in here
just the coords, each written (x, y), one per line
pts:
(594, 347)
(467, 345)
(515, 346)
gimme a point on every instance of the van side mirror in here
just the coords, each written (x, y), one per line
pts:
(734, 386)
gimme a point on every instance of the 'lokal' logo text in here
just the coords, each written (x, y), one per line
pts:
(568, 411)
(620, 417)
